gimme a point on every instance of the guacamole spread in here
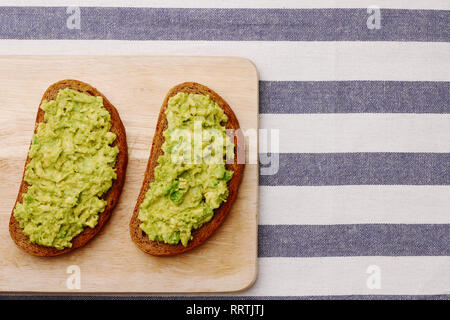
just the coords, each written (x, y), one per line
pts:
(71, 167)
(190, 180)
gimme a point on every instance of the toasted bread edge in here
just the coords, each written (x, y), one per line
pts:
(112, 196)
(204, 232)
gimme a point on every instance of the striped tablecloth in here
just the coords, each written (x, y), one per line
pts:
(359, 91)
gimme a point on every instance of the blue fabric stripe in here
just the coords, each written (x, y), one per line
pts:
(225, 24)
(353, 240)
(354, 97)
(316, 169)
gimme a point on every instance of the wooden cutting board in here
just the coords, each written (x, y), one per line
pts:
(111, 262)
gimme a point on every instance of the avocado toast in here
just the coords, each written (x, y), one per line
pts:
(198, 232)
(108, 194)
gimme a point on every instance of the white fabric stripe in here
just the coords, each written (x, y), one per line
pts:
(401, 4)
(326, 205)
(283, 60)
(348, 275)
(357, 132)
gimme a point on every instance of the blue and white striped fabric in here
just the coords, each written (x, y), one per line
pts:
(360, 207)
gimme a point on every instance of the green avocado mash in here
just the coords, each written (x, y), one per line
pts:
(184, 193)
(72, 166)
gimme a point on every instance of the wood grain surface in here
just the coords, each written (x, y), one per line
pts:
(111, 263)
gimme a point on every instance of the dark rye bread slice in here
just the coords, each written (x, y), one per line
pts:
(16, 232)
(203, 233)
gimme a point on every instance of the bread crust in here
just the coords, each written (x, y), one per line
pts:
(111, 196)
(201, 234)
